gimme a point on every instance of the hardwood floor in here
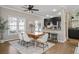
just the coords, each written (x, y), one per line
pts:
(60, 48)
(64, 48)
(6, 48)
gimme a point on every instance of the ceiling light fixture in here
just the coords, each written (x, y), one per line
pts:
(54, 10)
(51, 16)
(47, 16)
(59, 13)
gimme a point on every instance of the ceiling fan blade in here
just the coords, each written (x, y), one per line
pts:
(29, 8)
(35, 9)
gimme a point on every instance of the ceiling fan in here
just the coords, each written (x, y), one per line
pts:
(29, 8)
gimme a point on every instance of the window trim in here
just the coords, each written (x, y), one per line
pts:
(17, 25)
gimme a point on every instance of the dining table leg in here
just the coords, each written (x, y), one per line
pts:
(35, 44)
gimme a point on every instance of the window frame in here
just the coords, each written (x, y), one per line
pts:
(17, 24)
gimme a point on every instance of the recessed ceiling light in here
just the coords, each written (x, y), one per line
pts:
(54, 10)
(47, 15)
(59, 13)
(51, 16)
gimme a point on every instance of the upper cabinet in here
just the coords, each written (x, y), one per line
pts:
(75, 20)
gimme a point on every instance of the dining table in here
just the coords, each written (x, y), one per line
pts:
(35, 36)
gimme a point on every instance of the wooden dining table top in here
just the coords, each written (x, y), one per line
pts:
(35, 35)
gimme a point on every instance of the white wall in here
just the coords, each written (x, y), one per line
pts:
(63, 34)
(8, 12)
(0, 11)
(31, 18)
(64, 25)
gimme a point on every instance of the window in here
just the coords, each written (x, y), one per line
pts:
(75, 22)
(16, 24)
(21, 25)
(38, 26)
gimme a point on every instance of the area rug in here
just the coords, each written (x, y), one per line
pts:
(76, 50)
(31, 49)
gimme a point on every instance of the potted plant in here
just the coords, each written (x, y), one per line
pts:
(3, 27)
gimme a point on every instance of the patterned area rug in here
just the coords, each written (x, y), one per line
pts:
(31, 49)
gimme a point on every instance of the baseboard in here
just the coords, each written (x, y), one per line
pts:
(2, 41)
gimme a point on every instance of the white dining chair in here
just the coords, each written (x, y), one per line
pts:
(21, 40)
(27, 40)
(43, 41)
(76, 49)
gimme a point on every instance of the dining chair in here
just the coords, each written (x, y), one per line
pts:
(21, 40)
(43, 41)
(24, 39)
(27, 40)
(76, 51)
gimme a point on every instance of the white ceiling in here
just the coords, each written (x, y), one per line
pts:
(46, 10)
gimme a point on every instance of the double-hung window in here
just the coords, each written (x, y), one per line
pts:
(16, 24)
(21, 24)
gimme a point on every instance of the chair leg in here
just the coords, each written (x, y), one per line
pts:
(43, 47)
(47, 43)
(21, 42)
(27, 44)
(37, 44)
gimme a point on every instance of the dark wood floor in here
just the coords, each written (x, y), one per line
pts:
(60, 48)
